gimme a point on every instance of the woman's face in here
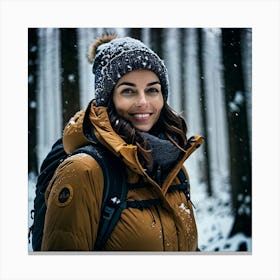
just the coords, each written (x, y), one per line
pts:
(138, 98)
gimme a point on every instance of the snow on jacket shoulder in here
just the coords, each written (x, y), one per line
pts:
(71, 224)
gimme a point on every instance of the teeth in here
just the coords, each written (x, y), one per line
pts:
(141, 116)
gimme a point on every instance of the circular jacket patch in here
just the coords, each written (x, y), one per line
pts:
(64, 195)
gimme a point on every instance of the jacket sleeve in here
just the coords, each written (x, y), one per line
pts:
(73, 200)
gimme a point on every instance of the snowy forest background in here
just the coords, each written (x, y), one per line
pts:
(210, 72)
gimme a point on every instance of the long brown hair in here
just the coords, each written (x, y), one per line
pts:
(170, 124)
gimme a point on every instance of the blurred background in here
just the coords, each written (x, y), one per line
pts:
(210, 73)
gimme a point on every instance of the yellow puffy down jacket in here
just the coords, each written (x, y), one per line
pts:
(72, 225)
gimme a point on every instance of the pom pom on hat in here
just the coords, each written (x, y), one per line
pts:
(99, 41)
(113, 57)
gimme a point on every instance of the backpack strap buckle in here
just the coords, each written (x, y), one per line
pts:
(108, 212)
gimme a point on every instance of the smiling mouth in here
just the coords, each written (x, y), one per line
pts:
(141, 117)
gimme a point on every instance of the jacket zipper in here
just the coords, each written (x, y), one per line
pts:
(153, 217)
(163, 237)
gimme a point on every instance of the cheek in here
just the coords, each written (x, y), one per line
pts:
(121, 105)
(121, 112)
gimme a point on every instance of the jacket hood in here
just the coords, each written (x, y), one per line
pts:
(73, 136)
(93, 126)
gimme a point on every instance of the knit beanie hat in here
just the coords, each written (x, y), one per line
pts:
(113, 57)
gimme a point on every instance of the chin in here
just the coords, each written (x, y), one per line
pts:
(143, 128)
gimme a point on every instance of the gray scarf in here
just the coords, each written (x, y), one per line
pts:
(164, 153)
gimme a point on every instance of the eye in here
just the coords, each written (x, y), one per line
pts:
(153, 90)
(127, 91)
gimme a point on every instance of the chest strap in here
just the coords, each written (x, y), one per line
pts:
(142, 204)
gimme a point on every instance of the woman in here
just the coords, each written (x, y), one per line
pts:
(130, 117)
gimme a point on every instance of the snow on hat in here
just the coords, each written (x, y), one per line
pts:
(113, 57)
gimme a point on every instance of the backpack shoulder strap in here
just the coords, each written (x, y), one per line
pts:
(184, 184)
(114, 193)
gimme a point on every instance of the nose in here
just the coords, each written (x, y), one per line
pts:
(141, 99)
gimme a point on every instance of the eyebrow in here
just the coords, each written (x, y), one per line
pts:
(134, 85)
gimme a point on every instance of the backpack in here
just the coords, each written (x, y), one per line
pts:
(114, 193)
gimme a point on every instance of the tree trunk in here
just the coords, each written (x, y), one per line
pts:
(70, 74)
(204, 113)
(32, 99)
(238, 132)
